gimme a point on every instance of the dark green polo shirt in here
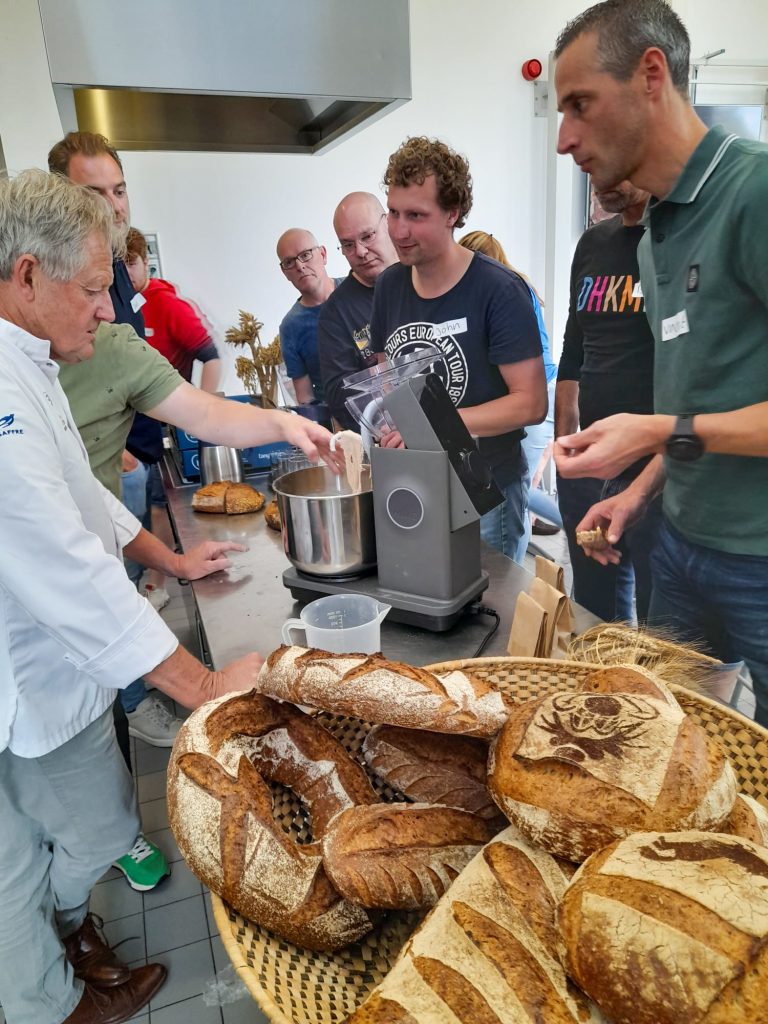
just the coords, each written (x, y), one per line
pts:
(704, 271)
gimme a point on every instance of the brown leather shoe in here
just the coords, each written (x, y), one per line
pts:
(121, 1002)
(88, 952)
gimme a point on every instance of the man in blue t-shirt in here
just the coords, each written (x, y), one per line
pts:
(302, 260)
(479, 313)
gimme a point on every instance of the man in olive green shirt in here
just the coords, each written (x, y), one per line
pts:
(622, 85)
(125, 375)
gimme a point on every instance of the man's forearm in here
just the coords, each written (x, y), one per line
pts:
(566, 407)
(304, 390)
(152, 553)
(511, 412)
(651, 481)
(185, 679)
(209, 377)
(740, 432)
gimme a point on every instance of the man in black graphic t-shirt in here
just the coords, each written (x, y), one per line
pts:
(344, 328)
(478, 313)
(607, 367)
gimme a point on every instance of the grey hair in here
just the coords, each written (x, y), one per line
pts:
(50, 218)
(625, 30)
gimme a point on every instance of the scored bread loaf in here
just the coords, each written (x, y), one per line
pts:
(384, 692)
(576, 771)
(400, 856)
(748, 819)
(240, 498)
(221, 814)
(432, 769)
(488, 952)
(223, 496)
(665, 928)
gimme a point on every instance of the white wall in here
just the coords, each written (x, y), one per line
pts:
(218, 216)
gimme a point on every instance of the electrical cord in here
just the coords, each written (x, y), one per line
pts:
(482, 609)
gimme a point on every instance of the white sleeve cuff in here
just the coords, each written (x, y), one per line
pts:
(141, 647)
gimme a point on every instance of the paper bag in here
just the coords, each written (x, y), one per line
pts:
(555, 605)
(553, 574)
(528, 636)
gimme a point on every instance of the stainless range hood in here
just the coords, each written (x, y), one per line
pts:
(241, 76)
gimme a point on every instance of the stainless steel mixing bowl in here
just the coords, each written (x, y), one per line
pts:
(327, 530)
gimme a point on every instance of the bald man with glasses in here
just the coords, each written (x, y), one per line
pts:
(344, 330)
(302, 260)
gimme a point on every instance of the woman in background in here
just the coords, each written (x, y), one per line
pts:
(538, 439)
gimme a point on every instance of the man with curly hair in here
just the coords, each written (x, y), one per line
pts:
(477, 312)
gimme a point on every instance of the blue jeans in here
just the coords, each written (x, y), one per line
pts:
(134, 487)
(508, 526)
(709, 595)
(134, 495)
(534, 445)
(65, 817)
(610, 591)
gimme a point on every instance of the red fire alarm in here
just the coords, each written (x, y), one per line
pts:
(531, 69)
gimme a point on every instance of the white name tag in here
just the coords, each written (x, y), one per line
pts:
(458, 326)
(674, 326)
(637, 291)
(149, 332)
(137, 302)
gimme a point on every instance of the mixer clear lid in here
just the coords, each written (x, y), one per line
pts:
(383, 376)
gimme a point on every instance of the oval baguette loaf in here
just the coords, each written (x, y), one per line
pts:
(577, 771)
(749, 820)
(400, 856)
(665, 928)
(432, 769)
(384, 692)
(488, 952)
(220, 811)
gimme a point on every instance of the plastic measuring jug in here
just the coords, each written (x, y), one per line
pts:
(340, 623)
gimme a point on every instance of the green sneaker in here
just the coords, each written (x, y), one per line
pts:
(144, 866)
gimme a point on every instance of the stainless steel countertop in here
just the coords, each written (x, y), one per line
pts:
(244, 608)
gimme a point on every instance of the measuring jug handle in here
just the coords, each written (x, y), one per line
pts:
(289, 625)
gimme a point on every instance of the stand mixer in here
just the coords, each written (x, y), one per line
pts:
(427, 501)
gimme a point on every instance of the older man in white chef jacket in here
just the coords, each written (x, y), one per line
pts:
(72, 627)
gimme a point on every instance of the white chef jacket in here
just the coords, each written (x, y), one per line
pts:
(72, 626)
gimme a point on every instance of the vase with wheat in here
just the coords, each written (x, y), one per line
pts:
(259, 371)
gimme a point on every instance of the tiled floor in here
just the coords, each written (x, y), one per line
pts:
(174, 923)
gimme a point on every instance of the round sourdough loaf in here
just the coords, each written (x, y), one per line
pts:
(576, 771)
(671, 928)
(220, 810)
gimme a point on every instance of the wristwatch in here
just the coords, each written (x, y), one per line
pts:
(683, 444)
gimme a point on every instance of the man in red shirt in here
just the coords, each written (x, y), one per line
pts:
(174, 326)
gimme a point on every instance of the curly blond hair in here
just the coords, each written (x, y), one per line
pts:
(418, 157)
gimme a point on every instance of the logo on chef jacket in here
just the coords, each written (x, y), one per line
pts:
(452, 371)
(6, 425)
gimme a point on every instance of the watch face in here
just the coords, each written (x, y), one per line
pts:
(685, 449)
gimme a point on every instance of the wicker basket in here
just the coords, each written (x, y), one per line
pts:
(298, 986)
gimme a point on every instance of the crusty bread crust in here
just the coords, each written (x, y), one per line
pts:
(486, 953)
(663, 928)
(400, 856)
(220, 810)
(384, 692)
(571, 809)
(432, 769)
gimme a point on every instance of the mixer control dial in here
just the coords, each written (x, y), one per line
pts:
(474, 468)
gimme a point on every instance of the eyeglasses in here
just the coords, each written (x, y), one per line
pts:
(365, 239)
(303, 257)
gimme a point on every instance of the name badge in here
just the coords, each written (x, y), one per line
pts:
(674, 326)
(458, 326)
(149, 332)
(637, 291)
(137, 302)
